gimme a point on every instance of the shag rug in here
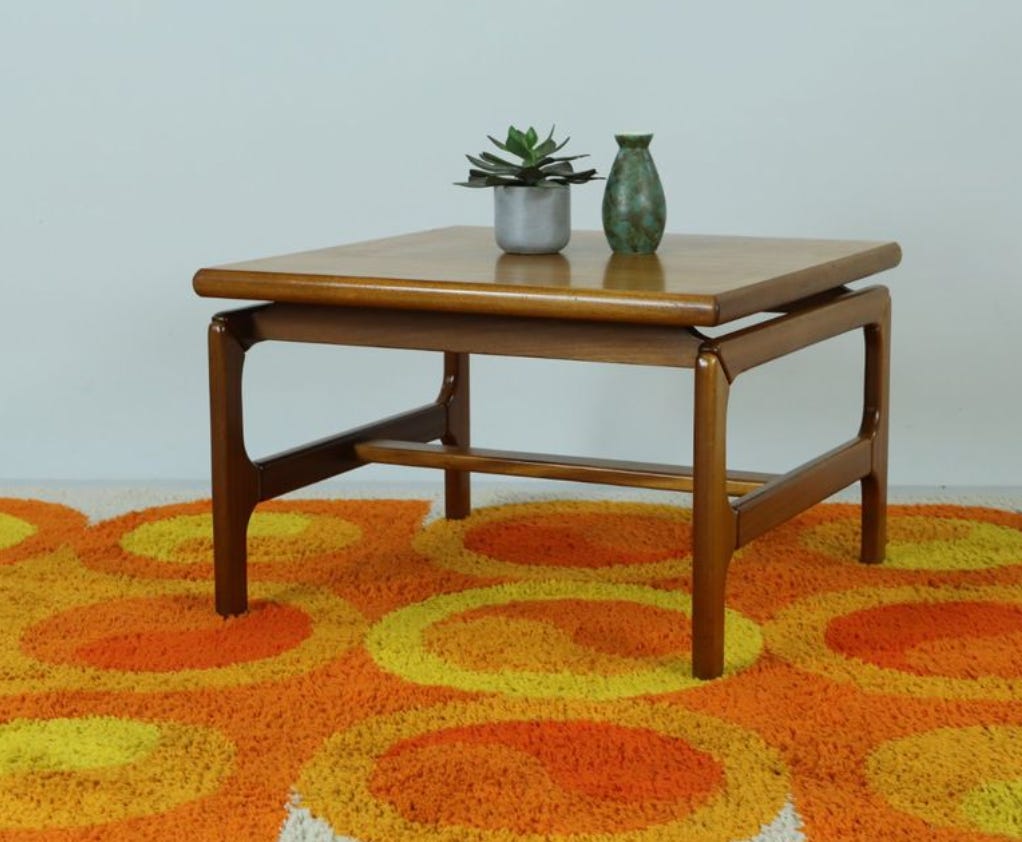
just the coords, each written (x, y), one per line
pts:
(522, 675)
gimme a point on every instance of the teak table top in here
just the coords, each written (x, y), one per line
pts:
(691, 280)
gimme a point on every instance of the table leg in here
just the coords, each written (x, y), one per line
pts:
(235, 480)
(874, 427)
(714, 534)
(455, 396)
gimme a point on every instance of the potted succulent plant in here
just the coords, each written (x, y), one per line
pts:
(532, 198)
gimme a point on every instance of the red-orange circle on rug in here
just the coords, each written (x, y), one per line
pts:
(585, 539)
(576, 540)
(566, 777)
(165, 634)
(577, 771)
(952, 639)
(31, 528)
(902, 640)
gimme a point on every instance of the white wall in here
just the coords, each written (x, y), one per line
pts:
(141, 141)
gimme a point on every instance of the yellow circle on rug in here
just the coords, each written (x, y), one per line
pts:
(966, 778)
(586, 541)
(74, 772)
(947, 642)
(500, 770)
(925, 542)
(552, 639)
(187, 539)
(14, 530)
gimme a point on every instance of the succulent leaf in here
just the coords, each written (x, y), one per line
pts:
(491, 166)
(516, 143)
(473, 181)
(494, 159)
(549, 160)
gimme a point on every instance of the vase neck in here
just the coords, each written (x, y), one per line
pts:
(633, 141)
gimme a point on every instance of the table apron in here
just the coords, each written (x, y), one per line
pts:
(514, 336)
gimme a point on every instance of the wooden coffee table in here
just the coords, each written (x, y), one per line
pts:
(451, 290)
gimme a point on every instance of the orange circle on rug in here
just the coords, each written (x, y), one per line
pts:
(165, 634)
(964, 778)
(490, 771)
(948, 642)
(31, 528)
(76, 772)
(614, 542)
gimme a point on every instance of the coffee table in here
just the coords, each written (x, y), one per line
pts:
(451, 290)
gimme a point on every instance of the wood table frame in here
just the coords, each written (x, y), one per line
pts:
(719, 525)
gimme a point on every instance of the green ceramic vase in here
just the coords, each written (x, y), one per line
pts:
(634, 207)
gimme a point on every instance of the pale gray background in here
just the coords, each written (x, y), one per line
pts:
(141, 141)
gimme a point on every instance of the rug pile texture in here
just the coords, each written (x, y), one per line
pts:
(518, 676)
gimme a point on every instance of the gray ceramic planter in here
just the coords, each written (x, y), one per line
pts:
(532, 220)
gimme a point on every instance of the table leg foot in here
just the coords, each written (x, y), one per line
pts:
(708, 616)
(230, 560)
(874, 520)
